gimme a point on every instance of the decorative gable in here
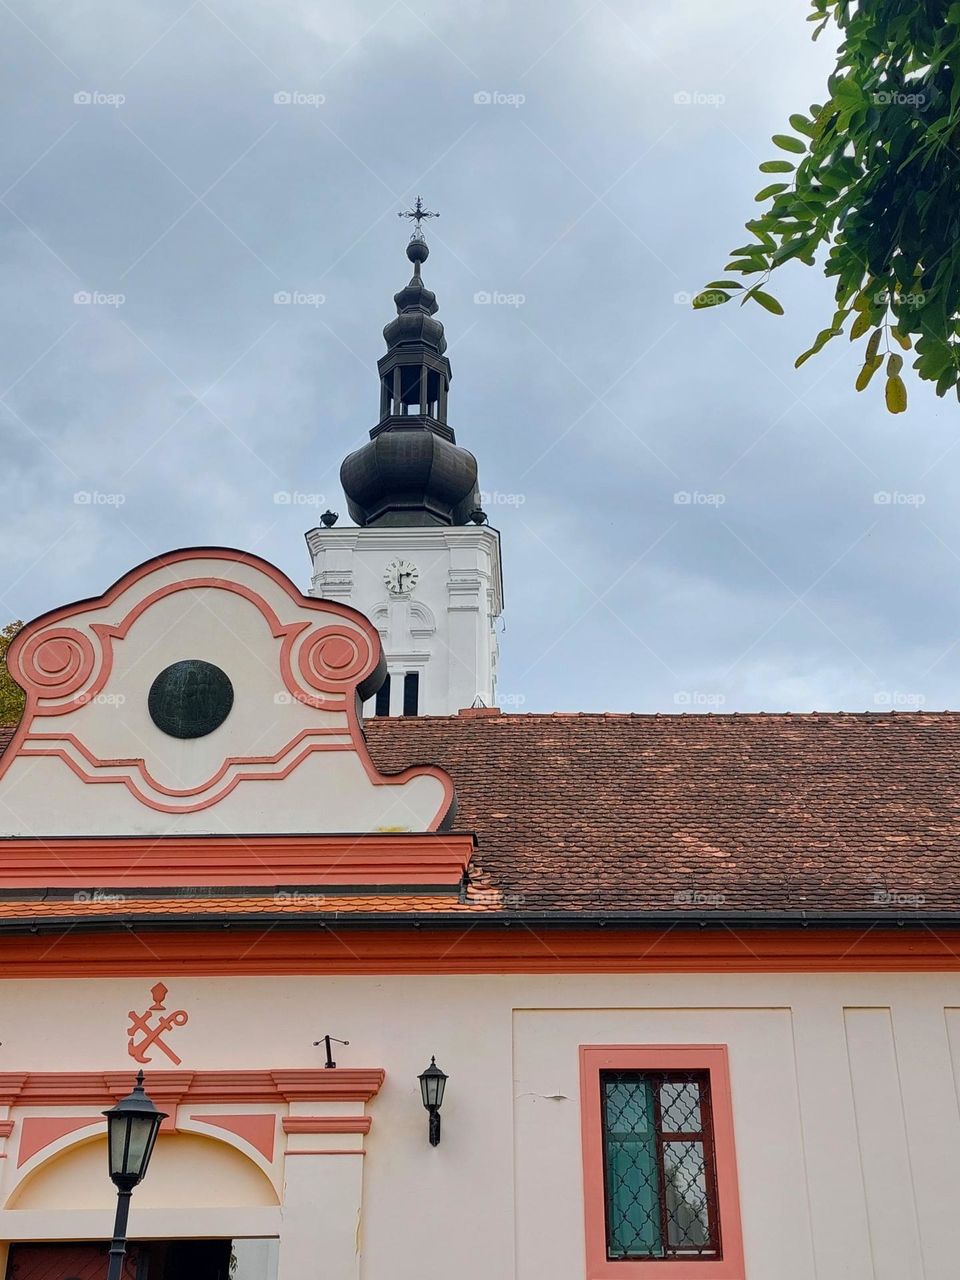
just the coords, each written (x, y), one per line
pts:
(202, 693)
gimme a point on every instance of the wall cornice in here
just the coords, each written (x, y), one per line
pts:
(412, 859)
(471, 948)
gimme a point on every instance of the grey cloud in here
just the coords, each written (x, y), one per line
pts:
(598, 199)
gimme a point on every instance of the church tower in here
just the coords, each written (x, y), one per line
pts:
(421, 563)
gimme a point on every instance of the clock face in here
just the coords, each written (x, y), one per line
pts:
(401, 577)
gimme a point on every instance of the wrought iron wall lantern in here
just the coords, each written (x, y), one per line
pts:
(432, 1084)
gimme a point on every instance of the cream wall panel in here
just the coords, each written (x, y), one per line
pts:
(882, 1143)
(834, 1178)
(931, 1120)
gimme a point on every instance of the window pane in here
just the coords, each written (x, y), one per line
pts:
(633, 1190)
(688, 1216)
(629, 1106)
(680, 1107)
(411, 693)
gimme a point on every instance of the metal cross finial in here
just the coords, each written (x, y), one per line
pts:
(417, 213)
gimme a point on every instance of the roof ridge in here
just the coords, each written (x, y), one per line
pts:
(675, 715)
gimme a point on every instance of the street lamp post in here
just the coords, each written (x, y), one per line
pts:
(132, 1128)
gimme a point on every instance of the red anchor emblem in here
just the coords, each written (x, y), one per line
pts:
(151, 1035)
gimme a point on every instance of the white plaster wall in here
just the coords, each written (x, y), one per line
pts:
(844, 1096)
(459, 586)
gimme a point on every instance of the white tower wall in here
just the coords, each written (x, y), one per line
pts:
(443, 626)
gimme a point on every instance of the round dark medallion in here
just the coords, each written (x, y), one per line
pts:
(191, 698)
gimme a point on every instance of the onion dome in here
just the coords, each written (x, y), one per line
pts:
(410, 476)
(412, 472)
(416, 307)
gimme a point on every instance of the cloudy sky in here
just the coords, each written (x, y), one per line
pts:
(179, 164)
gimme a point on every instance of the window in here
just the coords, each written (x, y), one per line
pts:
(660, 1183)
(659, 1164)
(411, 693)
(382, 704)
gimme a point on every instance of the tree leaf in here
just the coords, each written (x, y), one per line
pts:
(767, 301)
(896, 395)
(860, 326)
(802, 125)
(777, 166)
(710, 298)
(823, 337)
(874, 344)
(774, 189)
(894, 365)
(758, 227)
(867, 372)
(724, 284)
(788, 143)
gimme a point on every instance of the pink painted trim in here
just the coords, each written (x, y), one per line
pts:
(37, 1132)
(401, 858)
(277, 775)
(273, 775)
(326, 1124)
(32, 638)
(70, 658)
(6, 1128)
(65, 663)
(326, 672)
(171, 1088)
(136, 762)
(259, 1131)
(691, 1057)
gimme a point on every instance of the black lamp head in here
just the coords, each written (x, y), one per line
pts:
(132, 1128)
(432, 1084)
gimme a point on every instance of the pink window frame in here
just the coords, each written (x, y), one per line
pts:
(659, 1057)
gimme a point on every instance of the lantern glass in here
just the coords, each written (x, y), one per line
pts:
(432, 1084)
(132, 1128)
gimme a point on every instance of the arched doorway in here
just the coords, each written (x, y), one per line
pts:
(190, 1218)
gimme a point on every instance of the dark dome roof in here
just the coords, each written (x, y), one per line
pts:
(410, 476)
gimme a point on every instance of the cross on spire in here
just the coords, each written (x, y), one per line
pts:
(418, 213)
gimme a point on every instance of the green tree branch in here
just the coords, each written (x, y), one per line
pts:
(873, 187)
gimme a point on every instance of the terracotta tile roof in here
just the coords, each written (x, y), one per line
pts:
(824, 812)
(699, 814)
